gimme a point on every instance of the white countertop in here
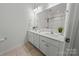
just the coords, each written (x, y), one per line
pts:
(49, 35)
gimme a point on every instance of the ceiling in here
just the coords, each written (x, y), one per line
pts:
(35, 5)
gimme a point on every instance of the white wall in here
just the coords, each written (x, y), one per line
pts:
(74, 29)
(71, 28)
(14, 22)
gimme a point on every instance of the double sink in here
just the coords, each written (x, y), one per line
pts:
(49, 35)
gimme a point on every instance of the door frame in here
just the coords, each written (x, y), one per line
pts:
(71, 24)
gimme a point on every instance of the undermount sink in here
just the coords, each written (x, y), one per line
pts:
(46, 32)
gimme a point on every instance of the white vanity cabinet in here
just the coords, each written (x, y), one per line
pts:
(43, 45)
(47, 47)
(52, 50)
(36, 40)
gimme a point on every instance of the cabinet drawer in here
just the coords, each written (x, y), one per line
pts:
(52, 41)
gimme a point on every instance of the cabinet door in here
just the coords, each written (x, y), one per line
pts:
(43, 45)
(36, 40)
(52, 50)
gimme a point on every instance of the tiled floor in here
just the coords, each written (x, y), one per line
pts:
(25, 50)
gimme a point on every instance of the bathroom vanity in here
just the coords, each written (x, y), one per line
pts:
(52, 19)
(49, 44)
